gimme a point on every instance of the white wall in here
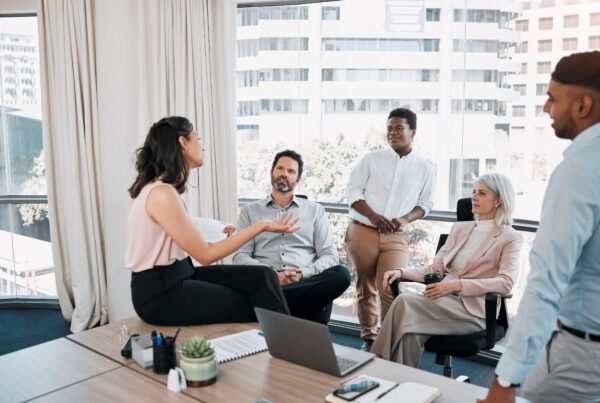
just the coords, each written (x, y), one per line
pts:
(121, 133)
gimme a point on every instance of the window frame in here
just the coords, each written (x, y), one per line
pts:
(16, 9)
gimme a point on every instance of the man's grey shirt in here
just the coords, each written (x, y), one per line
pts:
(310, 249)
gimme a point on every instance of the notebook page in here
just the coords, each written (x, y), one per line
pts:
(238, 345)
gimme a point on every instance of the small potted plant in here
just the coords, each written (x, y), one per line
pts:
(198, 362)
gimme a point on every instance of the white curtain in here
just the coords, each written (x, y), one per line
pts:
(70, 126)
(187, 59)
(110, 69)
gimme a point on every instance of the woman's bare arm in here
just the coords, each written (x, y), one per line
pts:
(166, 208)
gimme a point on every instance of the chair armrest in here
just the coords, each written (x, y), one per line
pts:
(396, 285)
(491, 302)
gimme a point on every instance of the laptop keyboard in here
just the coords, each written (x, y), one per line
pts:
(345, 363)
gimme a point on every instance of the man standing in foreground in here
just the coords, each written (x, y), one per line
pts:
(306, 261)
(563, 288)
(387, 190)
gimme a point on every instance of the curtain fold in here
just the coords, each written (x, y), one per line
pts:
(187, 56)
(71, 149)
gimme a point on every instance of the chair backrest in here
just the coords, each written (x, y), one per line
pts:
(464, 210)
(463, 213)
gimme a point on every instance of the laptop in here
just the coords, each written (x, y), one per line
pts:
(308, 344)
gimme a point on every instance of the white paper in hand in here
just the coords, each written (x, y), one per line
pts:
(212, 230)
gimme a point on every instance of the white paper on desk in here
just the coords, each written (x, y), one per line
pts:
(238, 345)
(410, 392)
(211, 229)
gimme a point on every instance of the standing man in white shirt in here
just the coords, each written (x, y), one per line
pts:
(387, 190)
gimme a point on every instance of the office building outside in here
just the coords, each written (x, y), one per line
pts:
(323, 70)
(476, 76)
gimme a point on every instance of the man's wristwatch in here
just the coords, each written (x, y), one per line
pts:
(506, 384)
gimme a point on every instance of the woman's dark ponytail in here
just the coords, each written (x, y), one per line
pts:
(162, 156)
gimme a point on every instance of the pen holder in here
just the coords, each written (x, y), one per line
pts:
(164, 356)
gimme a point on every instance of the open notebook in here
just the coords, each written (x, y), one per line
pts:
(238, 345)
(392, 392)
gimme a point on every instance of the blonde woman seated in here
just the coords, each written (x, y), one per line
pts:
(479, 257)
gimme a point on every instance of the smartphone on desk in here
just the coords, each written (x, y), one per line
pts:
(355, 387)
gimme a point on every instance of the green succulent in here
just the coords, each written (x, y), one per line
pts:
(197, 347)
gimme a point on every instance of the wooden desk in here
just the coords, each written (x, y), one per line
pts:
(105, 339)
(119, 385)
(262, 376)
(247, 379)
(34, 371)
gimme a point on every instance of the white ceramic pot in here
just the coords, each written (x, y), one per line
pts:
(200, 371)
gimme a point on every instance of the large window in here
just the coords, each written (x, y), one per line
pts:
(433, 14)
(478, 104)
(522, 26)
(571, 21)
(546, 23)
(544, 67)
(26, 263)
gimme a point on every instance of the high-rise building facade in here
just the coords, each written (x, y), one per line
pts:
(18, 64)
(321, 70)
(549, 30)
(474, 72)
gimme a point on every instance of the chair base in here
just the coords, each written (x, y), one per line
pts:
(446, 361)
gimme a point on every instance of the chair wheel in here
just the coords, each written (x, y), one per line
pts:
(463, 378)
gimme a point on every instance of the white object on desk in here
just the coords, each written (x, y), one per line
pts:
(141, 350)
(176, 381)
(410, 392)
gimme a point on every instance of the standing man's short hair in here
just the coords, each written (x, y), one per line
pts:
(410, 116)
(291, 154)
(579, 69)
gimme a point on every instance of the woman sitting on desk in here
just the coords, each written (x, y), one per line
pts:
(479, 257)
(165, 288)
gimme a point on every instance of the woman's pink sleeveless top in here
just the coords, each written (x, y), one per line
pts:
(148, 244)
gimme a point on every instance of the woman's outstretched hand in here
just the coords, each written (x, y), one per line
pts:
(286, 224)
(389, 277)
(229, 230)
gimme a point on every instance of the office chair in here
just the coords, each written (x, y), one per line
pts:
(466, 345)
(326, 314)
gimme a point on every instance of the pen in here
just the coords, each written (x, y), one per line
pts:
(160, 339)
(175, 337)
(386, 392)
